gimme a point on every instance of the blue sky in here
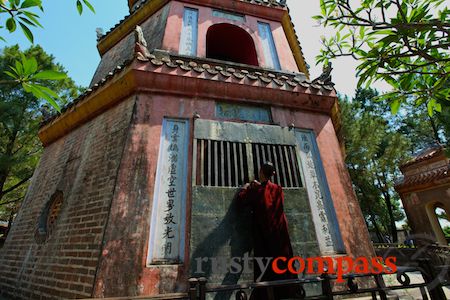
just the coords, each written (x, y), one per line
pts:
(72, 39)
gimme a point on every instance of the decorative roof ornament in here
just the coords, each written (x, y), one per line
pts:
(140, 47)
(139, 35)
(45, 111)
(325, 77)
(100, 33)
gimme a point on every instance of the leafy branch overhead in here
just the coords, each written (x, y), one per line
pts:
(21, 115)
(25, 72)
(25, 14)
(402, 42)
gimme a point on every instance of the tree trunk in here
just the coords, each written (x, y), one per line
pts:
(377, 228)
(10, 221)
(4, 173)
(435, 130)
(434, 127)
(387, 199)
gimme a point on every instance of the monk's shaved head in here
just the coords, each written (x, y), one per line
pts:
(268, 169)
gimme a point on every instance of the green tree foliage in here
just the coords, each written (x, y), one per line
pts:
(24, 70)
(402, 42)
(447, 232)
(377, 142)
(375, 149)
(20, 117)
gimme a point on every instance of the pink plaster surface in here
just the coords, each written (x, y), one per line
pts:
(172, 35)
(144, 138)
(350, 218)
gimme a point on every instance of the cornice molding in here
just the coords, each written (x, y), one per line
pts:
(167, 75)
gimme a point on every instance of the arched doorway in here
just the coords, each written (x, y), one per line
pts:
(230, 43)
(440, 222)
(443, 220)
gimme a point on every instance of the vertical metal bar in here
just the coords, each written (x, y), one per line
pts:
(248, 153)
(229, 164)
(295, 166)
(263, 150)
(236, 165)
(327, 290)
(374, 295)
(209, 175)
(423, 292)
(276, 165)
(288, 164)
(270, 293)
(269, 154)
(241, 154)
(258, 161)
(202, 288)
(216, 163)
(202, 162)
(241, 295)
(193, 282)
(194, 163)
(283, 169)
(222, 164)
(266, 154)
(381, 286)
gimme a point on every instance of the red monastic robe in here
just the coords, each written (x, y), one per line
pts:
(270, 227)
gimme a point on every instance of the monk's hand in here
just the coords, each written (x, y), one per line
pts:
(245, 186)
(255, 184)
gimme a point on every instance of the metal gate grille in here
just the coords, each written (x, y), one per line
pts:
(229, 164)
(222, 163)
(284, 159)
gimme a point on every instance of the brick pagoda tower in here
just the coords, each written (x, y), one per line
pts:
(137, 179)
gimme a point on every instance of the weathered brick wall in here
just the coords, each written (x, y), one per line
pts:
(84, 166)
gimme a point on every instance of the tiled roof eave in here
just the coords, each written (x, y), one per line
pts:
(434, 176)
(433, 152)
(223, 71)
(212, 66)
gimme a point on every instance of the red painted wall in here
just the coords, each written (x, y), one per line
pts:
(126, 248)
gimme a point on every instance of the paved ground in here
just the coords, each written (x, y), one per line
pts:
(411, 294)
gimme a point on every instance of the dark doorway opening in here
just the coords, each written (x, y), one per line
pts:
(230, 43)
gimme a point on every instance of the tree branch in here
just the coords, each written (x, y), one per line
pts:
(12, 201)
(8, 190)
(412, 71)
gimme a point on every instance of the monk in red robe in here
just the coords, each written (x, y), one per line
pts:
(270, 228)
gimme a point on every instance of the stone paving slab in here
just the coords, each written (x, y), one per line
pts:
(410, 294)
